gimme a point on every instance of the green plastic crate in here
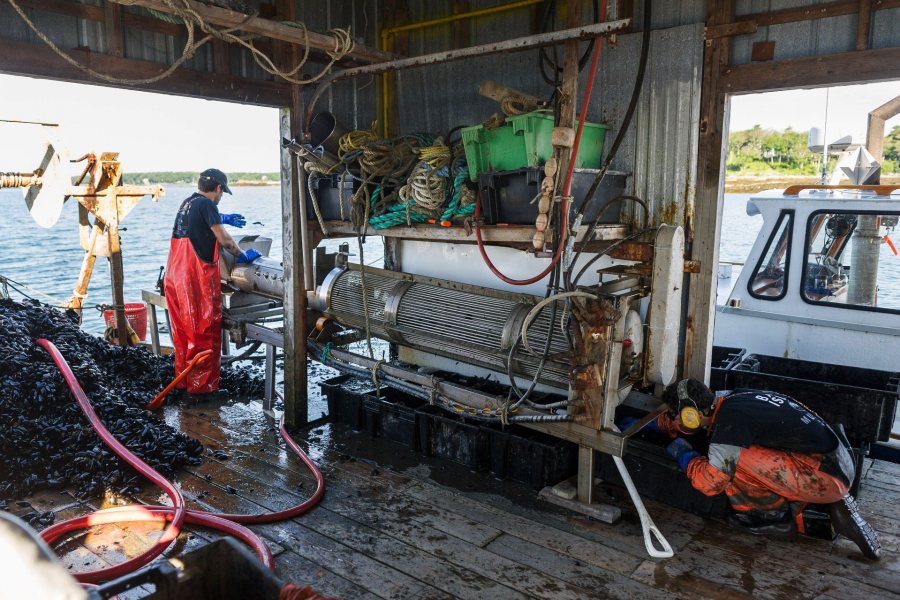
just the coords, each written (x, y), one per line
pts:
(524, 141)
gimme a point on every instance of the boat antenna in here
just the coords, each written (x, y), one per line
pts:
(824, 176)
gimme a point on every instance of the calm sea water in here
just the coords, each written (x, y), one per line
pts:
(48, 260)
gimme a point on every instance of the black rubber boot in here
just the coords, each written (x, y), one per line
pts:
(847, 521)
(779, 526)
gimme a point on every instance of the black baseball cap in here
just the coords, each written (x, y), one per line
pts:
(216, 176)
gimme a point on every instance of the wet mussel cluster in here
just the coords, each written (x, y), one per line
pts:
(46, 441)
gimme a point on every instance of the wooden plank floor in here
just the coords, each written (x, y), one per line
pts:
(397, 525)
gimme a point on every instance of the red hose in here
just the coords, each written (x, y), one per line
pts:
(175, 514)
(564, 219)
(161, 397)
(170, 533)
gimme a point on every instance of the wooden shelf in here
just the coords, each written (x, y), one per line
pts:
(491, 234)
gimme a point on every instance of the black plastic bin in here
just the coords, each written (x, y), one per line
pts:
(724, 359)
(222, 569)
(327, 191)
(863, 400)
(506, 196)
(443, 435)
(345, 399)
(393, 416)
(656, 475)
(532, 458)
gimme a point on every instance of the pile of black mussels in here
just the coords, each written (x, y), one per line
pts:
(46, 441)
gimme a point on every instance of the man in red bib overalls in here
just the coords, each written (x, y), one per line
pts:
(193, 290)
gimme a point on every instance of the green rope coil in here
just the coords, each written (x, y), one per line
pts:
(453, 208)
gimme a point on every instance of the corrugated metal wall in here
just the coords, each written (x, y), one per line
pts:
(810, 38)
(660, 147)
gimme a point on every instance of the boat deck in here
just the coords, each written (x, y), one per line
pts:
(393, 525)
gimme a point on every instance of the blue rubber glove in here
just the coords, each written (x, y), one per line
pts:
(681, 451)
(248, 257)
(629, 421)
(234, 219)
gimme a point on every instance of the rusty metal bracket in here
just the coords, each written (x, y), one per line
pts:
(692, 266)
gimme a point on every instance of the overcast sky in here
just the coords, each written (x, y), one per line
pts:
(151, 132)
(848, 109)
(155, 132)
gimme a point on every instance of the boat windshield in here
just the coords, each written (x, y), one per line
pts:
(769, 280)
(851, 260)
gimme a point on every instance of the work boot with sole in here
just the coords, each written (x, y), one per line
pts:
(783, 529)
(847, 521)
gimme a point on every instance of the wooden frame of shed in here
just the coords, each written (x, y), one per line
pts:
(731, 46)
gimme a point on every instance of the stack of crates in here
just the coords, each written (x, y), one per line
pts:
(507, 163)
(513, 453)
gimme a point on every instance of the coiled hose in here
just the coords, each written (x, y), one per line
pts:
(176, 514)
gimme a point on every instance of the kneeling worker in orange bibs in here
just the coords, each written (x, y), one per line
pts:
(766, 451)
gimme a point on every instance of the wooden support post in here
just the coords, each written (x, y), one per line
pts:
(87, 268)
(703, 233)
(295, 392)
(113, 28)
(586, 469)
(863, 24)
(117, 275)
(220, 57)
(569, 90)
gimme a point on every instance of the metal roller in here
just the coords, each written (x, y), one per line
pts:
(448, 319)
(265, 276)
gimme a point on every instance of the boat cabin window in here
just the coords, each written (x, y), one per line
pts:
(769, 280)
(851, 260)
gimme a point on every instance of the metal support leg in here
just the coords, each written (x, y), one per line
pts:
(270, 378)
(154, 328)
(586, 474)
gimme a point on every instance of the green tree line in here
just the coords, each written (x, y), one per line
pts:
(190, 177)
(759, 150)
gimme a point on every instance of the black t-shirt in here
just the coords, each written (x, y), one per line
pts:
(771, 420)
(194, 220)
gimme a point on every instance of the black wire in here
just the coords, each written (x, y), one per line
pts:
(552, 287)
(549, 18)
(632, 105)
(604, 253)
(590, 230)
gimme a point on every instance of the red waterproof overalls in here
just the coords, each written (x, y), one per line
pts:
(194, 298)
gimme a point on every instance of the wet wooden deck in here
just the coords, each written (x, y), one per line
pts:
(390, 526)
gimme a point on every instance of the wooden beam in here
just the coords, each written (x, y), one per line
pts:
(747, 24)
(703, 233)
(37, 60)
(802, 13)
(875, 130)
(730, 29)
(834, 69)
(863, 24)
(223, 17)
(113, 29)
(66, 7)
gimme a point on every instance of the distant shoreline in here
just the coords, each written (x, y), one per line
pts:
(744, 184)
(734, 184)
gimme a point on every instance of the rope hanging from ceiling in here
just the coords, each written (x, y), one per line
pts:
(343, 45)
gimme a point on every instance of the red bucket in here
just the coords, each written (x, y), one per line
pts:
(135, 314)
